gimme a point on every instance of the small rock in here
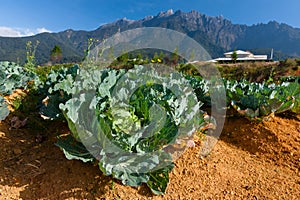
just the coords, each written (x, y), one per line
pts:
(191, 144)
(2, 134)
(40, 138)
(248, 187)
(16, 123)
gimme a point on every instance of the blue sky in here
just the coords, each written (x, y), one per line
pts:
(27, 17)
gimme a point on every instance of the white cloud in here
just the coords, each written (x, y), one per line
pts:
(43, 30)
(20, 32)
(9, 32)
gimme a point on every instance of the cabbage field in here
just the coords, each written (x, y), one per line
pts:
(133, 136)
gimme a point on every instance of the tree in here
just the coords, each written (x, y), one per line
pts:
(175, 57)
(234, 56)
(56, 54)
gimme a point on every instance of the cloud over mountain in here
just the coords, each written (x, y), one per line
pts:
(20, 32)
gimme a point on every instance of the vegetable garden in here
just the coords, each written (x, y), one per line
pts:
(93, 102)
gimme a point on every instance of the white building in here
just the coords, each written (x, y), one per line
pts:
(241, 56)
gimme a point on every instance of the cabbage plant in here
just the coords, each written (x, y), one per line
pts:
(12, 76)
(132, 123)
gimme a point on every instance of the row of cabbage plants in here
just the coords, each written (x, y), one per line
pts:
(133, 122)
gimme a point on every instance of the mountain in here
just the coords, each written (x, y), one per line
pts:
(215, 34)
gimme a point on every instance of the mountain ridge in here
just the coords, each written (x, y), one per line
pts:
(215, 34)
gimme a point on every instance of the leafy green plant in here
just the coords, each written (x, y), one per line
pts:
(4, 112)
(201, 88)
(56, 90)
(43, 71)
(253, 99)
(30, 56)
(261, 99)
(91, 43)
(13, 76)
(144, 122)
(17, 102)
(135, 130)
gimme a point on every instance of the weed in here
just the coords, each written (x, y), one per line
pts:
(30, 56)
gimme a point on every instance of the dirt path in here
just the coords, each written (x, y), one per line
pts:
(250, 161)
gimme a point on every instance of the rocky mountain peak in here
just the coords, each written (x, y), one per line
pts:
(165, 13)
(215, 34)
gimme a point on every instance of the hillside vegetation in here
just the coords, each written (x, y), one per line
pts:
(215, 34)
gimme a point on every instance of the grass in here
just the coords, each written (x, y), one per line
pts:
(257, 71)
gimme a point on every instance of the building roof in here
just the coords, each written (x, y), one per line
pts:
(243, 59)
(239, 52)
(242, 56)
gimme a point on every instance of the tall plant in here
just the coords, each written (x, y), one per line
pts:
(30, 56)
